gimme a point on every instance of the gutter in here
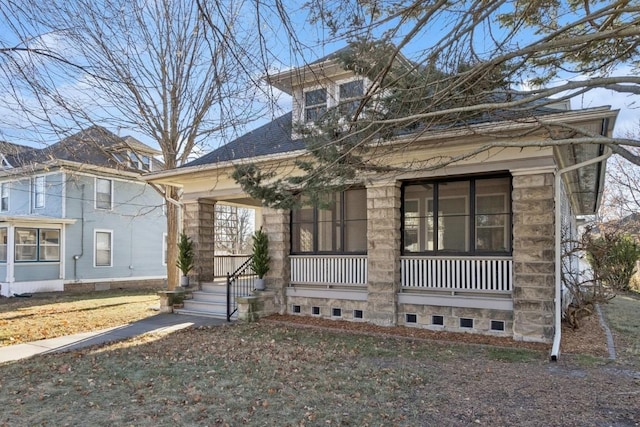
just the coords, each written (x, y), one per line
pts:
(555, 348)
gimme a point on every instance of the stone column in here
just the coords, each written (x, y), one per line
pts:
(277, 225)
(533, 256)
(199, 225)
(383, 252)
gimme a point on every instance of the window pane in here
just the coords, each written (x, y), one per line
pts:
(351, 89)
(4, 197)
(38, 192)
(418, 222)
(302, 237)
(103, 249)
(453, 219)
(493, 215)
(355, 238)
(327, 231)
(315, 103)
(3, 245)
(26, 244)
(315, 97)
(313, 114)
(355, 224)
(103, 193)
(50, 245)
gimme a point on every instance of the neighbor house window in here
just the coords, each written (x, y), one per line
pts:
(38, 188)
(103, 244)
(350, 97)
(140, 161)
(165, 247)
(315, 104)
(37, 244)
(338, 227)
(469, 216)
(4, 196)
(104, 193)
(3, 245)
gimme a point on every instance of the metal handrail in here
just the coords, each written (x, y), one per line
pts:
(239, 283)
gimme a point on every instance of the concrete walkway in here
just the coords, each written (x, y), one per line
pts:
(163, 323)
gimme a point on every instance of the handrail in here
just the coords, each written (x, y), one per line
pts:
(239, 283)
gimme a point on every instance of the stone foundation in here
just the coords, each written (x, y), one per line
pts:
(451, 318)
(326, 308)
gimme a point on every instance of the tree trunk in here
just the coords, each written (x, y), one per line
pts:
(173, 228)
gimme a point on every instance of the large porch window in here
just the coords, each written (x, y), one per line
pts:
(340, 228)
(464, 217)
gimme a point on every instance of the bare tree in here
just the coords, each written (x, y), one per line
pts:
(156, 68)
(233, 229)
(466, 62)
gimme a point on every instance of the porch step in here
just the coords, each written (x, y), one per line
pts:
(188, 312)
(206, 306)
(219, 297)
(215, 287)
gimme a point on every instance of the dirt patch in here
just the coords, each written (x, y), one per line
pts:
(589, 338)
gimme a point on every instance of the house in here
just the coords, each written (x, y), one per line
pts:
(472, 247)
(75, 215)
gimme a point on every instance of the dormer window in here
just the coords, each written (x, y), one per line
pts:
(4, 163)
(133, 160)
(315, 104)
(350, 97)
(140, 161)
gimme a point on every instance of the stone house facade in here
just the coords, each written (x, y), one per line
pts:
(471, 247)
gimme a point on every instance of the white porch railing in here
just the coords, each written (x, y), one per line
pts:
(223, 264)
(457, 273)
(329, 269)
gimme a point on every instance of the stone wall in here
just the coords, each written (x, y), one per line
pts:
(199, 225)
(533, 256)
(383, 252)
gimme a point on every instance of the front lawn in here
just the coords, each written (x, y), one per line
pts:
(285, 375)
(50, 315)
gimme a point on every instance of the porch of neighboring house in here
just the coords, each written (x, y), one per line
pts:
(383, 255)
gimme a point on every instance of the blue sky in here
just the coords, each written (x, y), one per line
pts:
(318, 43)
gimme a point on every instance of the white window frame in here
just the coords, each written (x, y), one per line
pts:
(95, 247)
(39, 191)
(165, 253)
(40, 245)
(4, 246)
(97, 179)
(5, 192)
(314, 106)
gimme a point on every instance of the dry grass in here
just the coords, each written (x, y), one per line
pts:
(51, 315)
(285, 375)
(623, 316)
(282, 374)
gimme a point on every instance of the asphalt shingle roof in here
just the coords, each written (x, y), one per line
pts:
(271, 138)
(94, 146)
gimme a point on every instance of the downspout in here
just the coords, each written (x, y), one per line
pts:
(76, 257)
(555, 348)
